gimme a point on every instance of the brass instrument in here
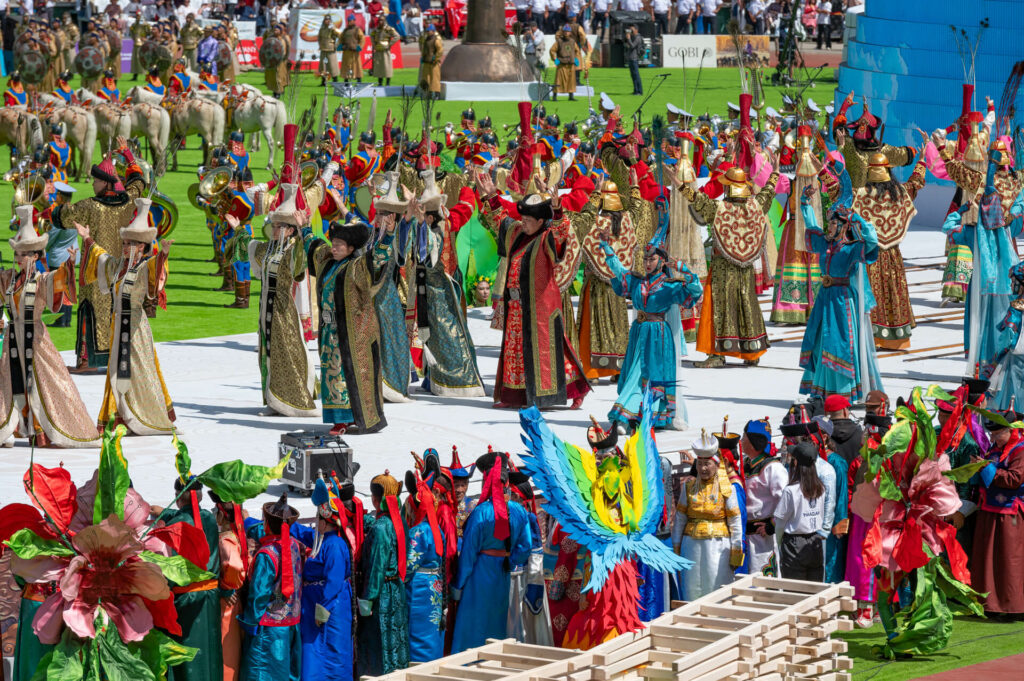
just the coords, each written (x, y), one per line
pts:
(212, 188)
(30, 190)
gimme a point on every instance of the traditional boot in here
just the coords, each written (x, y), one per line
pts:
(712, 362)
(228, 284)
(149, 307)
(241, 296)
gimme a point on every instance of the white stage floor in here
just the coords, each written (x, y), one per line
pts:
(214, 383)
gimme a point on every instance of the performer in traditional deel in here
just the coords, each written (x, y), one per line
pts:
(731, 322)
(565, 55)
(189, 37)
(352, 41)
(326, 626)
(135, 392)
(603, 328)
(105, 214)
(277, 77)
(383, 37)
(273, 644)
(708, 528)
(62, 88)
(153, 82)
(837, 353)
(327, 41)
(496, 537)
(350, 354)
(424, 570)
(38, 399)
(537, 365)
(241, 210)
(382, 644)
(1008, 375)
(15, 94)
(431, 53)
(651, 365)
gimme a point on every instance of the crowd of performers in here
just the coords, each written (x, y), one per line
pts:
(919, 509)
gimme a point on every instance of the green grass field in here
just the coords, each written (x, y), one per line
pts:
(194, 310)
(973, 641)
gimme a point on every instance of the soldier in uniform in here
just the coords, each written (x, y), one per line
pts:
(565, 54)
(276, 78)
(71, 32)
(382, 37)
(190, 35)
(138, 32)
(112, 208)
(352, 41)
(97, 40)
(327, 38)
(431, 53)
(113, 36)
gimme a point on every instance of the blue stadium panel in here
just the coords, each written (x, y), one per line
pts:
(905, 60)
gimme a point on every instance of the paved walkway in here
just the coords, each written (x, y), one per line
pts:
(1003, 668)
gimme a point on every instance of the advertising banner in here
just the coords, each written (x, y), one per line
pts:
(304, 27)
(678, 51)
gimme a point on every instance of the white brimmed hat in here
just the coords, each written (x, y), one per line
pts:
(139, 228)
(284, 214)
(431, 198)
(26, 240)
(390, 201)
(706, 446)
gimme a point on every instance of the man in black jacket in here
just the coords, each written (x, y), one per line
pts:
(846, 433)
(634, 46)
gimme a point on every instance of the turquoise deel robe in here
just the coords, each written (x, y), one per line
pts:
(483, 583)
(396, 362)
(989, 291)
(424, 593)
(269, 653)
(835, 547)
(837, 353)
(1008, 377)
(383, 636)
(651, 354)
(327, 653)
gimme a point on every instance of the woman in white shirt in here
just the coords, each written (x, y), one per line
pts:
(800, 519)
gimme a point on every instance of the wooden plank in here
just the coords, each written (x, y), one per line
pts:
(534, 650)
(770, 596)
(787, 584)
(688, 632)
(514, 660)
(734, 612)
(711, 622)
(631, 648)
(412, 676)
(473, 673)
(604, 673)
(716, 674)
(678, 645)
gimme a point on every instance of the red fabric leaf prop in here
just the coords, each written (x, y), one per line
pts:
(164, 615)
(14, 517)
(871, 549)
(187, 540)
(957, 557)
(908, 552)
(53, 493)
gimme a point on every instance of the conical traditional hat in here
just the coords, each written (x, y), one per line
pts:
(26, 240)
(139, 228)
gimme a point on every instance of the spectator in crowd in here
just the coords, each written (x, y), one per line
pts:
(823, 20)
(413, 21)
(539, 11)
(659, 14)
(708, 10)
(522, 11)
(631, 5)
(756, 16)
(634, 52)
(533, 48)
(599, 18)
(556, 16)
(686, 13)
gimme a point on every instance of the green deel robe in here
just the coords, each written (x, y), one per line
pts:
(199, 611)
(383, 638)
(28, 651)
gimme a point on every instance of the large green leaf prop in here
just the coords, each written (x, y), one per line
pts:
(26, 545)
(178, 569)
(112, 475)
(237, 482)
(477, 253)
(182, 461)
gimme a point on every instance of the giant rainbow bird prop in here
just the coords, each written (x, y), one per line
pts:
(612, 509)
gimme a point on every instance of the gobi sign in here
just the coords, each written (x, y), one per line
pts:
(678, 51)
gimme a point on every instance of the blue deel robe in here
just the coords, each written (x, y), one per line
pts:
(836, 355)
(482, 580)
(651, 354)
(424, 594)
(326, 580)
(989, 291)
(835, 547)
(268, 653)
(1008, 378)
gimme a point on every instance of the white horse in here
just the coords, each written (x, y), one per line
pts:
(20, 129)
(79, 131)
(258, 114)
(112, 120)
(154, 123)
(194, 115)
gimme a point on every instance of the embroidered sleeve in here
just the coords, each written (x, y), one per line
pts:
(703, 207)
(966, 178)
(917, 179)
(767, 193)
